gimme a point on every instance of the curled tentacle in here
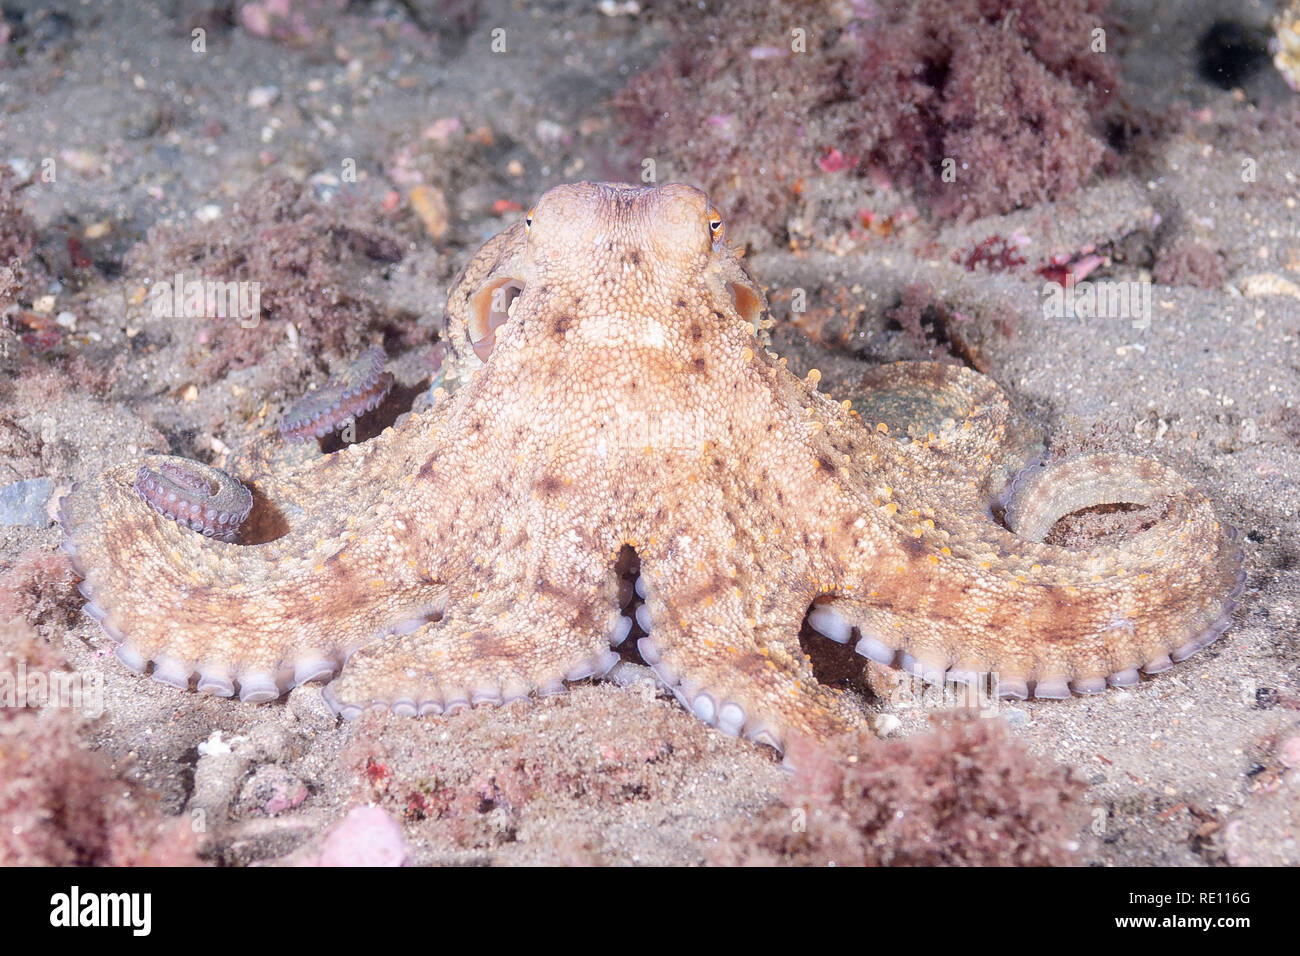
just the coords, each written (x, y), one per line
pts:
(360, 389)
(1041, 496)
(960, 597)
(194, 495)
(256, 618)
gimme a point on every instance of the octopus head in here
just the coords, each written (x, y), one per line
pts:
(614, 264)
(613, 228)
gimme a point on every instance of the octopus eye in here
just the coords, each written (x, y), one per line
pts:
(528, 220)
(715, 225)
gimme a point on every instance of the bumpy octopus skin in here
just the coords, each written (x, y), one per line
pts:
(615, 392)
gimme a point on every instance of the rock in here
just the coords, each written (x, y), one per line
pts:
(21, 166)
(885, 725)
(260, 97)
(271, 790)
(1263, 831)
(214, 745)
(890, 684)
(1288, 751)
(431, 206)
(625, 674)
(265, 742)
(367, 836)
(216, 781)
(1268, 284)
(23, 503)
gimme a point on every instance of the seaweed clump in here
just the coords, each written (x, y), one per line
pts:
(1189, 263)
(309, 260)
(62, 803)
(977, 106)
(965, 794)
(17, 238)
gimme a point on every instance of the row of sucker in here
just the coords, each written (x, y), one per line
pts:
(195, 496)
(359, 389)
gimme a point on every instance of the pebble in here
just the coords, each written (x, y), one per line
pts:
(271, 790)
(885, 725)
(214, 745)
(21, 166)
(265, 742)
(325, 185)
(216, 781)
(367, 836)
(1288, 752)
(260, 97)
(612, 8)
(23, 503)
(1268, 284)
(431, 206)
(549, 131)
(626, 673)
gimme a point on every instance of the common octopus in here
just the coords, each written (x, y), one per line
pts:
(617, 408)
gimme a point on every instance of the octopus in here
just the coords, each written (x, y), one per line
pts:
(620, 454)
(1285, 44)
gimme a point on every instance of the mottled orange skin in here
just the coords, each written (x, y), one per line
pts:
(629, 400)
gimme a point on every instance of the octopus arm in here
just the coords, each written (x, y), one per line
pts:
(540, 615)
(723, 614)
(966, 597)
(253, 618)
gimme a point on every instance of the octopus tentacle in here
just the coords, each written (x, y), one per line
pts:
(260, 617)
(765, 695)
(726, 642)
(963, 418)
(359, 389)
(959, 594)
(195, 495)
(1042, 496)
(477, 654)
